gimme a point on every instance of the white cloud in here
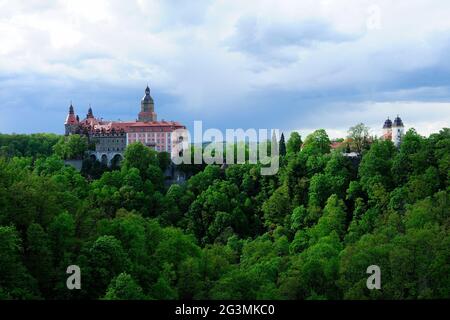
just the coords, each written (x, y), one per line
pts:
(215, 55)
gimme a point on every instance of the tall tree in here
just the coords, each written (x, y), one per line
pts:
(107, 259)
(277, 208)
(15, 282)
(71, 147)
(39, 258)
(317, 143)
(294, 143)
(140, 157)
(282, 145)
(359, 136)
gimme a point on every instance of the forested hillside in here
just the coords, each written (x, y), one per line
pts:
(22, 145)
(309, 232)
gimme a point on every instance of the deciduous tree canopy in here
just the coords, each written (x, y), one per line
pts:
(308, 232)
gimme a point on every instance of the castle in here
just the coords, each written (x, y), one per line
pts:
(112, 137)
(393, 131)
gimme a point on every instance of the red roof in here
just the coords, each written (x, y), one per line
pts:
(156, 124)
(71, 119)
(387, 136)
(95, 124)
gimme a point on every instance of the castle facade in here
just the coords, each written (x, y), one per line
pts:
(112, 137)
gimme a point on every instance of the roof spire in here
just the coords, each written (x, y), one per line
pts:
(398, 122)
(71, 108)
(90, 114)
(387, 124)
(71, 118)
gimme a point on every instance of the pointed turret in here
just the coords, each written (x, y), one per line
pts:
(398, 122)
(71, 121)
(89, 114)
(147, 107)
(71, 118)
(387, 124)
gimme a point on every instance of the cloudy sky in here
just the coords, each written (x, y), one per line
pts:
(292, 65)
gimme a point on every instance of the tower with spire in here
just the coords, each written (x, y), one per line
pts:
(147, 113)
(397, 131)
(89, 115)
(71, 122)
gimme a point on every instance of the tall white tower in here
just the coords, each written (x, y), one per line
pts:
(397, 131)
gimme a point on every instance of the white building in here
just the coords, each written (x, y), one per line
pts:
(394, 131)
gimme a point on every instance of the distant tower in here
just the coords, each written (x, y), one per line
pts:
(89, 114)
(387, 129)
(397, 131)
(71, 122)
(147, 108)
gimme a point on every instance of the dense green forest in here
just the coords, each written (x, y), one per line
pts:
(22, 145)
(308, 232)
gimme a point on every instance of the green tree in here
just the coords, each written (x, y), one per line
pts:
(411, 158)
(294, 143)
(107, 259)
(123, 287)
(376, 166)
(298, 218)
(320, 189)
(282, 145)
(317, 143)
(313, 272)
(15, 281)
(214, 211)
(71, 147)
(332, 220)
(359, 136)
(138, 156)
(164, 160)
(39, 258)
(277, 208)
(62, 237)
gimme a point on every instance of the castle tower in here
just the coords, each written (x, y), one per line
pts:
(71, 122)
(89, 114)
(397, 131)
(147, 108)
